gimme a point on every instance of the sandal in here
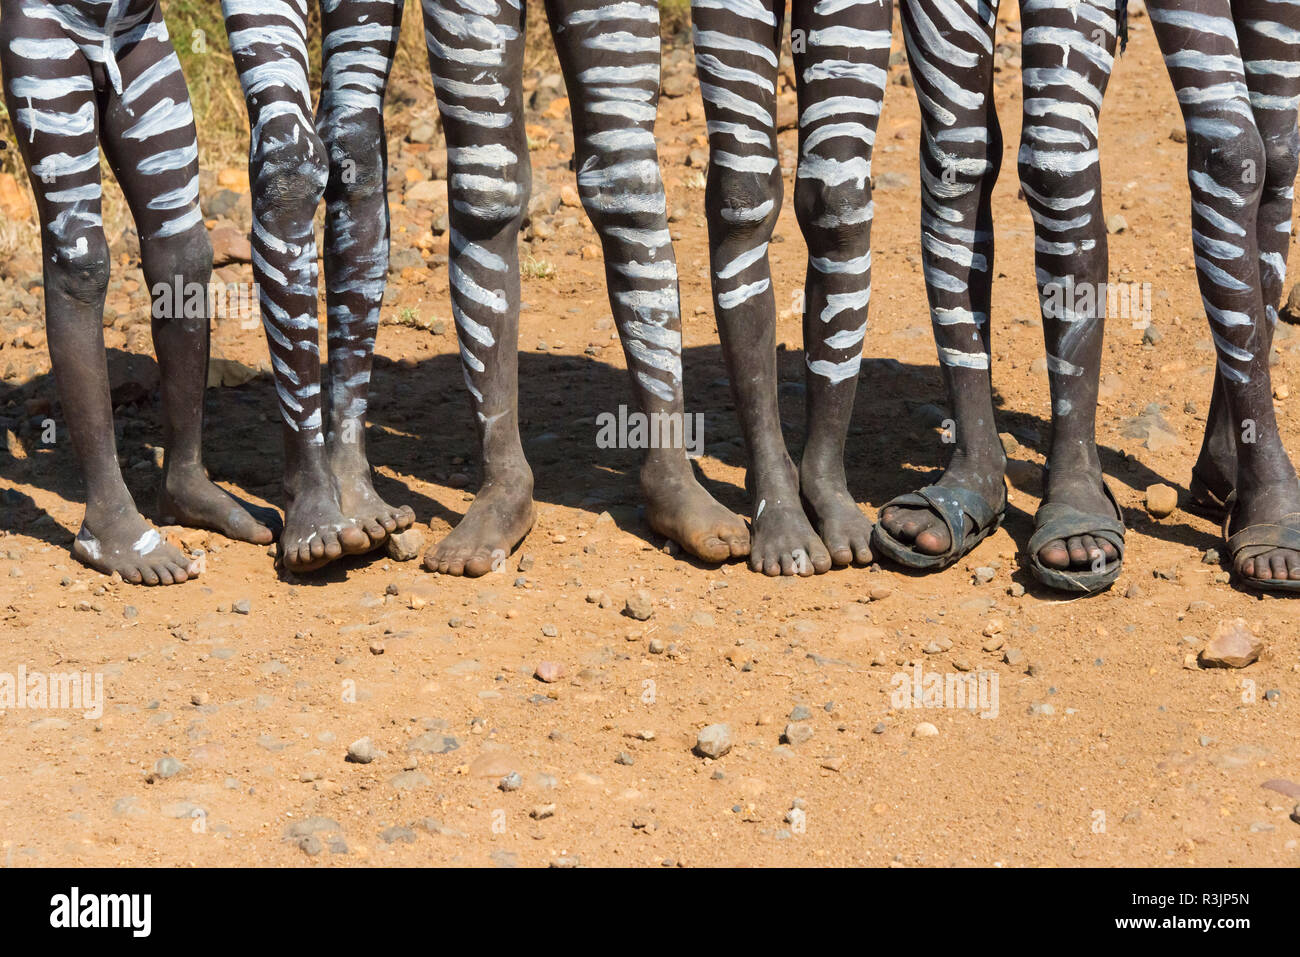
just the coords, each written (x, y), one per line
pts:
(1057, 521)
(953, 505)
(1256, 540)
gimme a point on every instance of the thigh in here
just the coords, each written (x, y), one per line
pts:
(358, 42)
(268, 42)
(50, 95)
(148, 135)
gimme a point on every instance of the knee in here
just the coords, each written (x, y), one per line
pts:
(833, 214)
(1053, 173)
(1281, 158)
(356, 157)
(626, 193)
(80, 269)
(486, 203)
(1225, 152)
(956, 168)
(289, 174)
(744, 202)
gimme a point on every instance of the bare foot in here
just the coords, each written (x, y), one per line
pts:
(360, 502)
(127, 544)
(782, 539)
(924, 530)
(316, 532)
(678, 507)
(498, 519)
(189, 498)
(844, 529)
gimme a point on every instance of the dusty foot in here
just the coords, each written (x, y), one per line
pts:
(127, 544)
(1259, 506)
(316, 532)
(498, 519)
(360, 502)
(782, 540)
(1080, 487)
(921, 528)
(678, 507)
(189, 498)
(844, 529)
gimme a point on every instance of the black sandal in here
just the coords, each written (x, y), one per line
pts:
(1057, 521)
(953, 505)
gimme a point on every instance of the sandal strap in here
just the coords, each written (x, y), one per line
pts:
(953, 505)
(1057, 521)
(1256, 539)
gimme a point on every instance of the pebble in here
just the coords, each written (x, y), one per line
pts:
(550, 631)
(924, 730)
(639, 605)
(796, 734)
(800, 713)
(405, 545)
(168, 767)
(361, 751)
(511, 782)
(1014, 657)
(1233, 646)
(879, 592)
(984, 574)
(624, 759)
(377, 647)
(549, 671)
(542, 812)
(242, 607)
(713, 741)
(1161, 500)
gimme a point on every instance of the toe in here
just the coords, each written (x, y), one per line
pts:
(149, 575)
(1278, 563)
(1054, 554)
(131, 574)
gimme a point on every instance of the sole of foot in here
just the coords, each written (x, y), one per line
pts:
(135, 550)
(497, 521)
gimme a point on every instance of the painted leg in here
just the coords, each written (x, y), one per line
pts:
(841, 69)
(1068, 54)
(736, 55)
(156, 164)
(51, 98)
(950, 54)
(288, 170)
(477, 64)
(1226, 153)
(359, 39)
(610, 57)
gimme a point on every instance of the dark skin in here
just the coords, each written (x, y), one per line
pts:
(805, 520)
(60, 102)
(1062, 186)
(1259, 471)
(296, 157)
(609, 55)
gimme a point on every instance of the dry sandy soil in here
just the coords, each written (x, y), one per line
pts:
(1109, 745)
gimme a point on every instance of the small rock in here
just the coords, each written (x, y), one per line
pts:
(639, 605)
(542, 812)
(168, 767)
(1233, 646)
(511, 782)
(361, 751)
(796, 734)
(1116, 223)
(406, 545)
(713, 741)
(549, 671)
(924, 730)
(1161, 500)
